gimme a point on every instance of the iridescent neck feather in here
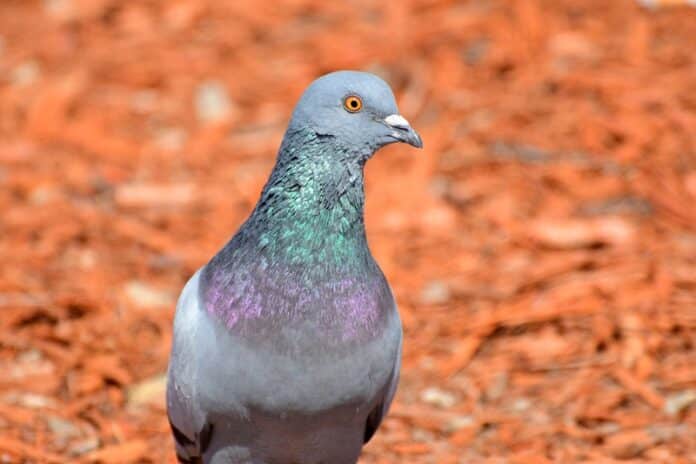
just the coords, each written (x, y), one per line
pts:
(302, 256)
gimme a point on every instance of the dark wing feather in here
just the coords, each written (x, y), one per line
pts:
(374, 419)
(194, 448)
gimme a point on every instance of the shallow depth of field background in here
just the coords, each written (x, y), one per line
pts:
(542, 247)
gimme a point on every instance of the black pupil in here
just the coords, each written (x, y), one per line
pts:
(353, 103)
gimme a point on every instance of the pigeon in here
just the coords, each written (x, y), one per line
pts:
(286, 346)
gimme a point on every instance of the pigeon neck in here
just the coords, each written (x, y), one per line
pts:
(312, 205)
(302, 255)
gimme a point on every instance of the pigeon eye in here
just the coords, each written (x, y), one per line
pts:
(352, 104)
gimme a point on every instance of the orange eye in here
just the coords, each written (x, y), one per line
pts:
(352, 104)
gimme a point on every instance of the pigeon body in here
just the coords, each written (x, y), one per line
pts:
(287, 344)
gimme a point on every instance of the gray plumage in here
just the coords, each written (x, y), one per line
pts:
(287, 344)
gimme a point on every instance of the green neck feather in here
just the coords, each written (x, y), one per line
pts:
(311, 209)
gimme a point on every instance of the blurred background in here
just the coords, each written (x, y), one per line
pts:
(542, 247)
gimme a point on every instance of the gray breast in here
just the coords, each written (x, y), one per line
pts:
(301, 376)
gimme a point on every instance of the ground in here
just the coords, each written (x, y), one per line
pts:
(542, 247)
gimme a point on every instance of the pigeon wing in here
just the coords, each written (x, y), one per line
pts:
(378, 413)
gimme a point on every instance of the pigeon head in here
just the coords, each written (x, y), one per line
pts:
(355, 109)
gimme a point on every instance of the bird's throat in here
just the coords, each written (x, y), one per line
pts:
(310, 213)
(312, 208)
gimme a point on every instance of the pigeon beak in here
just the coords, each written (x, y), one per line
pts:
(402, 130)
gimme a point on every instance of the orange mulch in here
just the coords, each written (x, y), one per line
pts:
(542, 247)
